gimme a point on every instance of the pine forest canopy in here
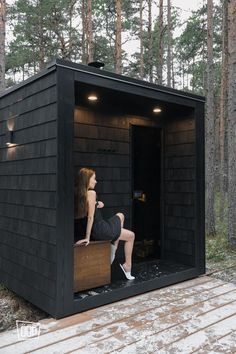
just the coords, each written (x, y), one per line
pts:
(70, 29)
(194, 53)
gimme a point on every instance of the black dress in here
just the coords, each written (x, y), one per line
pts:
(102, 229)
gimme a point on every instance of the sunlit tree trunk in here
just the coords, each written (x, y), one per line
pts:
(118, 50)
(71, 11)
(150, 42)
(41, 37)
(232, 123)
(210, 127)
(224, 111)
(90, 32)
(141, 70)
(2, 43)
(169, 43)
(84, 31)
(160, 44)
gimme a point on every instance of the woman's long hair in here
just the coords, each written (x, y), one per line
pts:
(81, 188)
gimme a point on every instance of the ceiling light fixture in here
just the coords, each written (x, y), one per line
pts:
(92, 98)
(157, 110)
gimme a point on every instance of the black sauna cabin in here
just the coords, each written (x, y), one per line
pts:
(146, 143)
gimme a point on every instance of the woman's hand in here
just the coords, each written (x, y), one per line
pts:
(83, 242)
(100, 204)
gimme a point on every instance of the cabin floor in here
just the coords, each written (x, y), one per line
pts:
(142, 270)
(195, 316)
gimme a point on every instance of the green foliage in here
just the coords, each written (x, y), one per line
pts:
(104, 52)
(135, 58)
(46, 29)
(42, 31)
(192, 48)
(2, 287)
(217, 248)
(3, 290)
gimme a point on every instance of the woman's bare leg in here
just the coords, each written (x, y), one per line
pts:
(122, 219)
(127, 236)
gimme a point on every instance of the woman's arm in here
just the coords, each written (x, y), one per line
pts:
(91, 210)
(91, 197)
(100, 204)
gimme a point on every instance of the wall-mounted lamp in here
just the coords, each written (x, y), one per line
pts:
(9, 133)
(9, 138)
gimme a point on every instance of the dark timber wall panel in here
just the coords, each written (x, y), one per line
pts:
(179, 190)
(102, 142)
(28, 191)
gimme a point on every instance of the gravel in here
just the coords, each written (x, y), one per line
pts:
(13, 307)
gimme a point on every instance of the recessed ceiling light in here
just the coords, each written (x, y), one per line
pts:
(92, 98)
(157, 110)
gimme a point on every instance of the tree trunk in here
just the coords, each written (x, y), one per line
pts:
(2, 43)
(118, 64)
(172, 70)
(41, 39)
(169, 44)
(84, 32)
(210, 126)
(232, 123)
(23, 72)
(160, 44)
(150, 56)
(71, 44)
(223, 112)
(193, 79)
(90, 31)
(141, 70)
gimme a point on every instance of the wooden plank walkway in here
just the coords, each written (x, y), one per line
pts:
(196, 316)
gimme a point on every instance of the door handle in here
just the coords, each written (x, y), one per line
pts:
(139, 195)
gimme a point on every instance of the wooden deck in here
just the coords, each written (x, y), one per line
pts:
(196, 316)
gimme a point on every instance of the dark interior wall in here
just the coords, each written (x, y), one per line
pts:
(28, 191)
(102, 141)
(179, 190)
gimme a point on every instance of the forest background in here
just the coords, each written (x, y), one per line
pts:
(193, 51)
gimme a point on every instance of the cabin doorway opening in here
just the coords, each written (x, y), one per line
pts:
(146, 192)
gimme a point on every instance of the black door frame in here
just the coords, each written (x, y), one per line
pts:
(162, 205)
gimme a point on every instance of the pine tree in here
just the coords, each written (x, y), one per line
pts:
(150, 42)
(118, 49)
(2, 43)
(160, 59)
(223, 111)
(43, 30)
(232, 123)
(90, 31)
(210, 127)
(141, 72)
(169, 44)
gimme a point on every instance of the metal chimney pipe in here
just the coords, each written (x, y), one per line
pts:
(96, 64)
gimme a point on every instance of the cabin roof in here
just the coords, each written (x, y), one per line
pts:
(66, 64)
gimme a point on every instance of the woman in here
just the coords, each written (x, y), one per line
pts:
(89, 223)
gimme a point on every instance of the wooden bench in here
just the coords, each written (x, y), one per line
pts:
(92, 265)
